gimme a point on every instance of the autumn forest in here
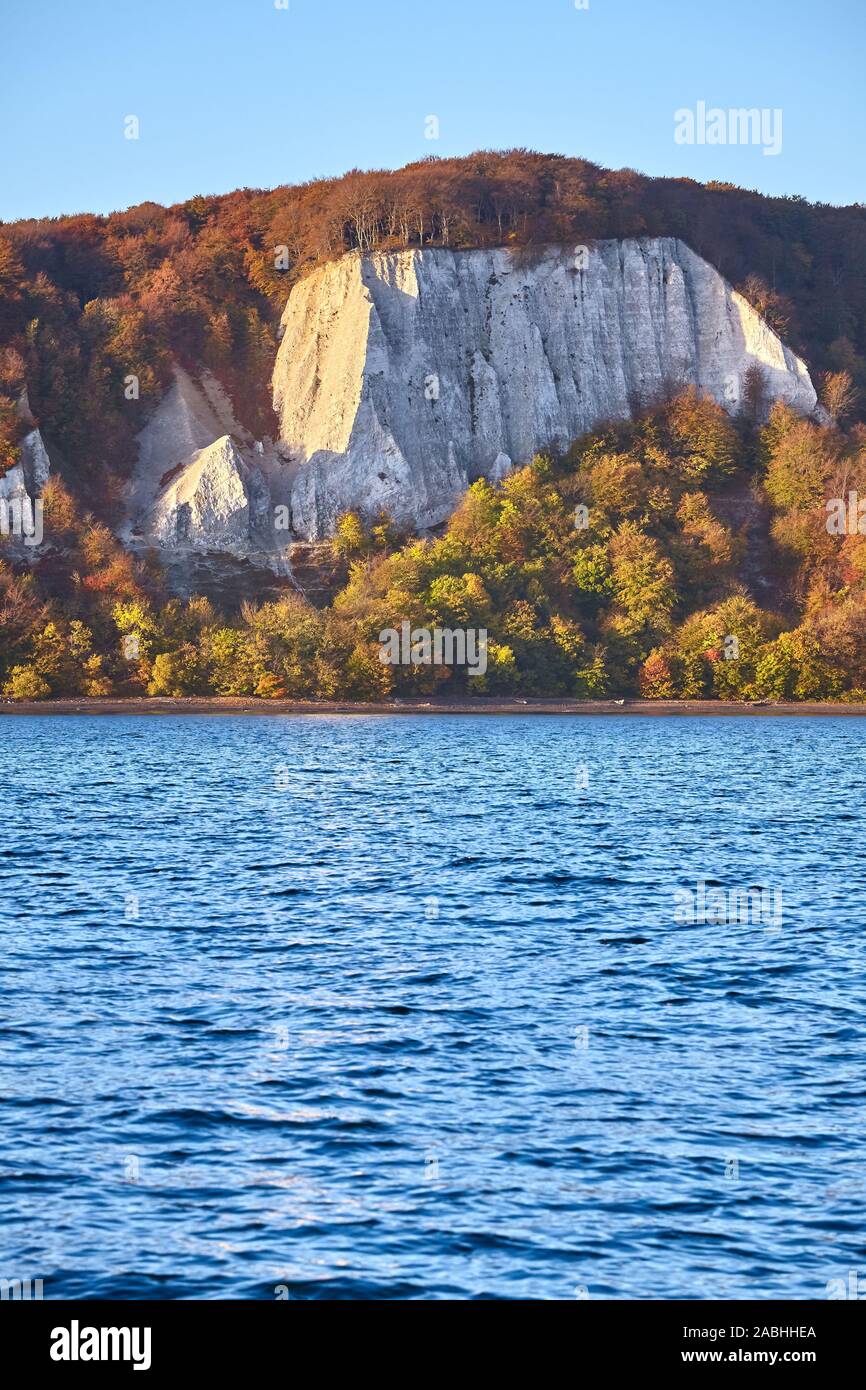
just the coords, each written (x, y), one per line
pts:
(697, 527)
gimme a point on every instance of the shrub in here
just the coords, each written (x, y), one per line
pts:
(25, 683)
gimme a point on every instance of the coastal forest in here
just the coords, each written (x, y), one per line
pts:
(687, 553)
(684, 554)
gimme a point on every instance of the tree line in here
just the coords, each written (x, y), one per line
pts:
(87, 301)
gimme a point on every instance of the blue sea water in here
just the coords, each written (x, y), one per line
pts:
(404, 1007)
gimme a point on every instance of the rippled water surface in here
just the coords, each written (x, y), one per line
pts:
(399, 1007)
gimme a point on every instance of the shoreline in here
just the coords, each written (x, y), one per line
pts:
(479, 705)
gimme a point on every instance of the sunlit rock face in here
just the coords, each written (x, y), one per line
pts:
(21, 524)
(401, 377)
(30, 474)
(211, 504)
(203, 487)
(190, 416)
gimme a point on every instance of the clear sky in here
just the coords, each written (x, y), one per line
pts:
(233, 93)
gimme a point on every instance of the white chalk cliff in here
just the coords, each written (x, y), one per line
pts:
(401, 377)
(202, 486)
(20, 492)
(212, 504)
(190, 416)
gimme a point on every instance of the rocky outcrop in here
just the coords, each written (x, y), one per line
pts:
(190, 416)
(216, 502)
(21, 522)
(403, 376)
(204, 492)
(35, 463)
(32, 470)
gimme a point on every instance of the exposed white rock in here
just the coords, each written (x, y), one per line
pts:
(20, 493)
(32, 470)
(22, 407)
(199, 484)
(35, 461)
(502, 466)
(211, 504)
(190, 416)
(13, 485)
(402, 376)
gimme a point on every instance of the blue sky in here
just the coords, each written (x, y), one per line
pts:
(233, 93)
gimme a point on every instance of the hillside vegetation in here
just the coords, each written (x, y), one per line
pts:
(85, 301)
(683, 554)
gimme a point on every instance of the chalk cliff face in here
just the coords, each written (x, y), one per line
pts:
(401, 377)
(203, 486)
(212, 504)
(20, 493)
(190, 416)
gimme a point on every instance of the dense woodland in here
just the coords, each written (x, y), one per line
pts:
(699, 527)
(684, 554)
(86, 300)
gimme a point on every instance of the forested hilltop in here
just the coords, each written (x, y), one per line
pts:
(685, 553)
(86, 300)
